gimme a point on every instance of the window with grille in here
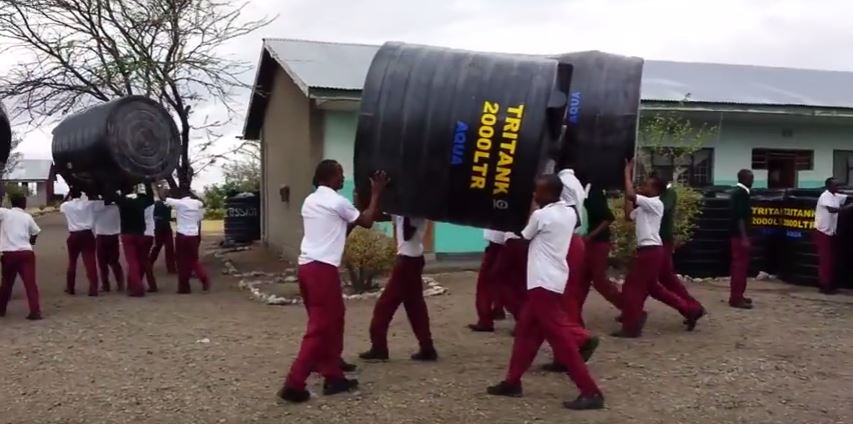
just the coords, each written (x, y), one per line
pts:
(696, 170)
(842, 166)
(803, 159)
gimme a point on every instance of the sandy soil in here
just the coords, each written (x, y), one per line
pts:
(219, 358)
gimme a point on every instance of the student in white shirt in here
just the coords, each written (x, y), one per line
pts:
(544, 316)
(486, 299)
(147, 266)
(108, 252)
(829, 205)
(189, 212)
(79, 215)
(327, 217)
(405, 286)
(18, 233)
(574, 194)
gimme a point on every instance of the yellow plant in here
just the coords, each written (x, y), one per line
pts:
(368, 254)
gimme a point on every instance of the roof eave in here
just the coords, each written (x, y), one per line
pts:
(765, 109)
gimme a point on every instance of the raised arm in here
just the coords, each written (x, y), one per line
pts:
(630, 192)
(378, 182)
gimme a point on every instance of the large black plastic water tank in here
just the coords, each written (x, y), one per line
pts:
(602, 114)
(461, 134)
(707, 253)
(798, 260)
(5, 135)
(843, 247)
(766, 233)
(243, 218)
(124, 141)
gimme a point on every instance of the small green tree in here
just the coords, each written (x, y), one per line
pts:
(368, 254)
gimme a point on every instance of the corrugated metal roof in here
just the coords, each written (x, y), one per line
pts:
(30, 170)
(344, 66)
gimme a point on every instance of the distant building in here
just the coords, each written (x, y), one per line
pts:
(793, 127)
(36, 176)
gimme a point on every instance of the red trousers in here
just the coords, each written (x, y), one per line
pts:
(404, 287)
(21, 263)
(146, 267)
(826, 259)
(511, 275)
(597, 256)
(109, 256)
(186, 255)
(739, 269)
(544, 317)
(81, 243)
(164, 238)
(486, 295)
(134, 255)
(672, 285)
(576, 287)
(323, 343)
(641, 280)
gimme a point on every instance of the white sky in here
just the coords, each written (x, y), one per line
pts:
(791, 33)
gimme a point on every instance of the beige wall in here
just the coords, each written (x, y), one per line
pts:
(291, 140)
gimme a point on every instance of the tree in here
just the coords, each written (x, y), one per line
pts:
(244, 172)
(80, 52)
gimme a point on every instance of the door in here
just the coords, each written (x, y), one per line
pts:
(782, 173)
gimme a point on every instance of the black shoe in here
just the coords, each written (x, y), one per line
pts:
(585, 403)
(748, 300)
(623, 335)
(741, 305)
(425, 355)
(694, 317)
(498, 315)
(589, 348)
(554, 367)
(505, 389)
(477, 328)
(333, 387)
(371, 355)
(153, 290)
(294, 395)
(347, 367)
(187, 291)
(70, 292)
(830, 292)
(34, 317)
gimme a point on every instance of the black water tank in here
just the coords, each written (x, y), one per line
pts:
(602, 114)
(461, 134)
(843, 247)
(766, 233)
(124, 141)
(798, 261)
(243, 218)
(707, 253)
(5, 135)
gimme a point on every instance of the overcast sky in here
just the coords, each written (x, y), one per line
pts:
(792, 33)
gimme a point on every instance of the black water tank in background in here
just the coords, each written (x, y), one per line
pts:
(798, 259)
(602, 114)
(243, 218)
(707, 253)
(121, 142)
(844, 247)
(5, 135)
(443, 123)
(766, 233)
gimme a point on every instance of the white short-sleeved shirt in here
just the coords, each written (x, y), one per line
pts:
(325, 217)
(79, 214)
(549, 231)
(149, 221)
(647, 216)
(107, 219)
(188, 213)
(825, 221)
(574, 193)
(494, 236)
(414, 247)
(16, 228)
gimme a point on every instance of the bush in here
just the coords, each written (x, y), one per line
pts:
(368, 254)
(214, 214)
(688, 209)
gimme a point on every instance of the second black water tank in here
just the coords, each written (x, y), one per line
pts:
(798, 259)
(766, 233)
(243, 218)
(461, 134)
(707, 253)
(5, 135)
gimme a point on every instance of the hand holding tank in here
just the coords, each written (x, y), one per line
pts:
(462, 135)
(116, 144)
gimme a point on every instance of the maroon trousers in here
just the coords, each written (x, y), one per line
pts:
(21, 263)
(486, 295)
(641, 279)
(323, 343)
(109, 257)
(186, 255)
(826, 259)
(739, 269)
(81, 243)
(544, 317)
(164, 239)
(404, 287)
(511, 275)
(134, 255)
(674, 288)
(146, 267)
(575, 292)
(597, 256)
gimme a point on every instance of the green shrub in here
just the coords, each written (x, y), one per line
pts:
(214, 214)
(368, 254)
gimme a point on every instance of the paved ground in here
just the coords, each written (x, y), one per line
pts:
(119, 360)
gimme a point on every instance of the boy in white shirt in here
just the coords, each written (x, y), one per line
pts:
(405, 286)
(327, 217)
(79, 215)
(147, 266)
(189, 212)
(486, 299)
(829, 205)
(18, 233)
(544, 316)
(107, 250)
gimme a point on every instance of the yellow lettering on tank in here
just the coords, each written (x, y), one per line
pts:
(482, 153)
(506, 153)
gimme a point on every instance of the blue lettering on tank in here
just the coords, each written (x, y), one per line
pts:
(460, 137)
(574, 111)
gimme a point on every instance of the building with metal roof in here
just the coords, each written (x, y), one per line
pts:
(793, 127)
(35, 176)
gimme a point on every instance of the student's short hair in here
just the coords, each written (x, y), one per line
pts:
(74, 192)
(17, 200)
(828, 181)
(658, 183)
(742, 174)
(660, 177)
(325, 170)
(553, 183)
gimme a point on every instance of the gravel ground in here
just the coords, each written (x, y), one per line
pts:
(219, 358)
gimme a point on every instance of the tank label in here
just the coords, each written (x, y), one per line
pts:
(460, 138)
(788, 218)
(574, 111)
(494, 152)
(483, 151)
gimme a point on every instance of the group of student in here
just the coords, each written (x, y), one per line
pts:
(541, 275)
(99, 228)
